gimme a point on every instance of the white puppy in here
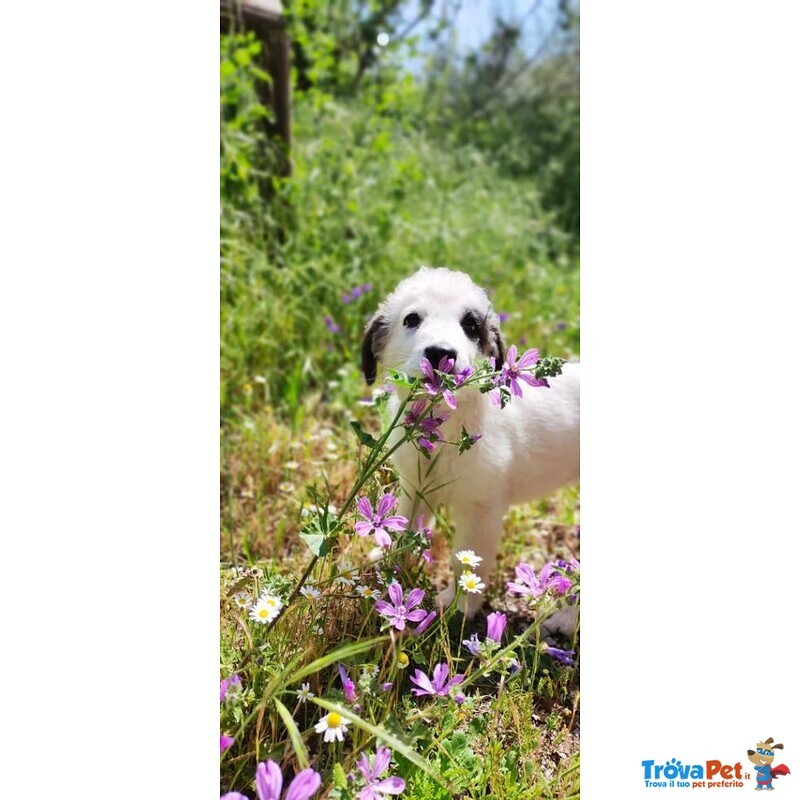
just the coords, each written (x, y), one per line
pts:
(527, 449)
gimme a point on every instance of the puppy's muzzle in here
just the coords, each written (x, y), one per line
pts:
(436, 354)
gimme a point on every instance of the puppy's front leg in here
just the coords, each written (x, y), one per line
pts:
(479, 527)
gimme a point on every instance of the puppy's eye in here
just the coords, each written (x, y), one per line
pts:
(470, 326)
(412, 320)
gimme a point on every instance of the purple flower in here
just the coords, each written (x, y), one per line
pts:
(429, 426)
(332, 326)
(386, 686)
(434, 386)
(233, 796)
(426, 622)
(226, 683)
(378, 522)
(513, 373)
(269, 782)
(462, 375)
(561, 326)
(460, 698)
(401, 610)
(438, 686)
(225, 742)
(503, 316)
(375, 789)
(347, 684)
(346, 298)
(472, 644)
(495, 625)
(526, 583)
(564, 656)
(549, 578)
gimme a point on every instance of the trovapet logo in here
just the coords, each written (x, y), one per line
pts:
(676, 774)
(717, 774)
(762, 757)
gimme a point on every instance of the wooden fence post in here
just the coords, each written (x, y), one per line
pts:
(265, 19)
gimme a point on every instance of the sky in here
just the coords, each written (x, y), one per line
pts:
(475, 20)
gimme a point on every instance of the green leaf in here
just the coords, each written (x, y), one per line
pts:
(294, 734)
(340, 654)
(363, 436)
(318, 543)
(382, 735)
(401, 379)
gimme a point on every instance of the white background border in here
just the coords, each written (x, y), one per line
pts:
(110, 338)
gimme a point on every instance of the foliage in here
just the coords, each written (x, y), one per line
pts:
(389, 171)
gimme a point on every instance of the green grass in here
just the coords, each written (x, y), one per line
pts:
(371, 198)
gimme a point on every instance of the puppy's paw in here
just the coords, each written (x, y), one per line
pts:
(563, 622)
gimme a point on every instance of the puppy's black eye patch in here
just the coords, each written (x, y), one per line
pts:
(412, 320)
(471, 325)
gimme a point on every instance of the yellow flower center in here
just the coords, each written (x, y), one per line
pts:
(262, 612)
(402, 660)
(471, 583)
(334, 720)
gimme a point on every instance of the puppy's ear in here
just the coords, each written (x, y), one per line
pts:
(372, 347)
(494, 341)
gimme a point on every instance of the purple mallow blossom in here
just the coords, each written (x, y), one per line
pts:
(269, 782)
(527, 582)
(378, 522)
(495, 625)
(331, 325)
(402, 610)
(438, 686)
(428, 426)
(503, 316)
(225, 742)
(347, 684)
(473, 644)
(512, 372)
(226, 684)
(423, 626)
(376, 787)
(563, 656)
(356, 292)
(434, 385)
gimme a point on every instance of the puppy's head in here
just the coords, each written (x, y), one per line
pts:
(435, 313)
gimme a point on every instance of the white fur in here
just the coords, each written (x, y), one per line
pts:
(527, 449)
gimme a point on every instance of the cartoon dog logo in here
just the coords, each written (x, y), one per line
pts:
(762, 757)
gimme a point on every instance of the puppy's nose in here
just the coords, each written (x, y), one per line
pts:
(436, 354)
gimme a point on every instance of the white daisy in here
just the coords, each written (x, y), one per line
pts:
(468, 558)
(271, 600)
(291, 464)
(242, 599)
(370, 594)
(370, 671)
(266, 609)
(333, 725)
(304, 692)
(310, 592)
(471, 583)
